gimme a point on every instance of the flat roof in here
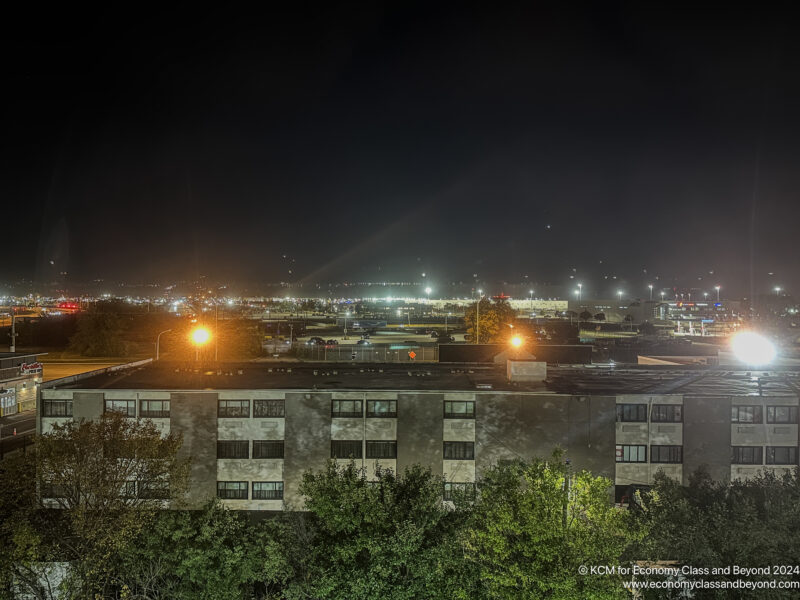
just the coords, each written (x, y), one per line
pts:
(595, 380)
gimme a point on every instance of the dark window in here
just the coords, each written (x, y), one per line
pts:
(55, 490)
(666, 454)
(456, 490)
(267, 448)
(632, 413)
(459, 450)
(233, 408)
(381, 449)
(233, 449)
(457, 409)
(269, 408)
(232, 490)
(345, 448)
(746, 455)
(781, 414)
(631, 454)
(57, 408)
(153, 490)
(267, 490)
(667, 413)
(126, 407)
(781, 455)
(381, 408)
(153, 409)
(128, 490)
(346, 408)
(745, 414)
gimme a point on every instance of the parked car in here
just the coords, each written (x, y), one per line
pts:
(316, 341)
(434, 334)
(365, 336)
(331, 343)
(363, 343)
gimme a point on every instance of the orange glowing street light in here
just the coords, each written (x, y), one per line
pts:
(200, 337)
(516, 341)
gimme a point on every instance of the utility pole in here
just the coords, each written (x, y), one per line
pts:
(477, 318)
(13, 345)
(566, 494)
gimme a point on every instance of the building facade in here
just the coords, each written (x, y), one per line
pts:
(253, 435)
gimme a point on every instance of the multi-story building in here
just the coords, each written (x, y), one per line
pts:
(20, 375)
(252, 430)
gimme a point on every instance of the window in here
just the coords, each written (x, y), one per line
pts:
(57, 408)
(455, 490)
(781, 414)
(232, 490)
(459, 410)
(381, 449)
(233, 408)
(666, 413)
(154, 490)
(269, 408)
(745, 414)
(233, 449)
(267, 490)
(126, 407)
(55, 490)
(632, 413)
(459, 450)
(746, 455)
(267, 448)
(381, 408)
(345, 448)
(666, 454)
(346, 408)
(153, 409)
(128, 490)
(631, 454)
(781, 455)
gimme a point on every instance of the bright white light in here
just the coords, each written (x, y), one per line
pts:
(753, 349)
(428, 290)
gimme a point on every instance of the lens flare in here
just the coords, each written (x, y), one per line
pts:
(200, 336)
(753, 349)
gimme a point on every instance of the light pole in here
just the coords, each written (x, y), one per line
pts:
(619, 295)
(530, 308)
(445, 323)
(777, 291)
(478, 315)
(158, 340)
(716, 287)
(580, 291)
(651, 291)
(346, 314)
(705, 295)
(662, 296)
(200, 337)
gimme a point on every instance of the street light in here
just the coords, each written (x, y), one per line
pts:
(580, 291)
(753, 349)
(478, 315)
(619, 295)
(651, 290)
(717, 287)
(662, 296)
(158, 339)
(777, 291)
(516, 341)
(531, 305)
(200, 337)
(428, 291)
(346, 314)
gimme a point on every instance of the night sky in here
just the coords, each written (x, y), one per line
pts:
(376, 143)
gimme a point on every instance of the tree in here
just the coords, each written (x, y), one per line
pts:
(752, 523)
(392, 538)
(99, 334)
(527, 536)
(109, 478)
(211, 554)
(600, 317)
(493, 320)
(586, 316)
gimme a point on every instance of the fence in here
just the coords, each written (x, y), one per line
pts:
(381, 354)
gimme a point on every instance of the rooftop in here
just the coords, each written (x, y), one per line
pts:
(593, 380)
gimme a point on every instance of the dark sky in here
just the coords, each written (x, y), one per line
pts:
(377, 143)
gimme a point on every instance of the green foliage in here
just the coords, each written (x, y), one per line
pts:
(527, 537)
(99, 334)
(211, 554)
(493, 320)
(586, 316)
(391, 539)
(752, 523)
